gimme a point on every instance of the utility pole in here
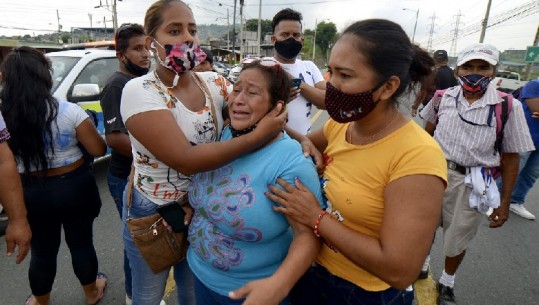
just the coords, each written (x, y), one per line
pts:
(485, 22)
(114, 16)
(58, 19)
(234, 34)
(529, 65)
(259, 27)
(228, 31)
(431, 32)
(241, 30)
(453, 50)
(91, 26)
(105, 23)
(314, 39)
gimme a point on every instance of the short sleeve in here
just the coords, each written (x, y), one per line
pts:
(141, 95)
(317, 75)
(110, 103)
(516, 134)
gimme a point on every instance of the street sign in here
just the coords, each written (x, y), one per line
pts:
(532, 54)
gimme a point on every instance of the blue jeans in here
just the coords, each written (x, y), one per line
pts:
(116, 188)
(528, 172)
(206, 296)
(319, 287)
(149, 287)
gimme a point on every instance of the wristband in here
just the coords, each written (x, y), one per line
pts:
(317, 223)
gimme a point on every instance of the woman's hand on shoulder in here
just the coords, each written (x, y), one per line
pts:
(295, 201)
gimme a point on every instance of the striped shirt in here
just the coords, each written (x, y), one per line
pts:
(473, 145)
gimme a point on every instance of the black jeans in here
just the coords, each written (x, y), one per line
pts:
(319, 287)
(72, 201)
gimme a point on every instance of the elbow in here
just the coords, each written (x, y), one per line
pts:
(402, 280)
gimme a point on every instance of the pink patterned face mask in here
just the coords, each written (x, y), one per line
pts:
(181, 57)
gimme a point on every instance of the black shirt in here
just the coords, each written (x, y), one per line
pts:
(120, 165)
(445, 78)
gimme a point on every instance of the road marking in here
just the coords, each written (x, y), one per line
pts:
(171, 284)
(425, 291)
(316, 116)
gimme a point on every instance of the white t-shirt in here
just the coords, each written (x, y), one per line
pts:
(64, 137)
(299, 109)
(155, 180)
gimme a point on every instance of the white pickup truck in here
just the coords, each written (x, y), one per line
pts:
(80, 75)
(507, 81)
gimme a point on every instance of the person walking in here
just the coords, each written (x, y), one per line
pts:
(59, 189)
(529, 161)
(463, 121)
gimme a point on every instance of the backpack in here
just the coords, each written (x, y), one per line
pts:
(501, 113)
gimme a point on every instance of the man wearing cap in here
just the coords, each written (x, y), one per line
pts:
(462, 125)
(445, 77)
(529, 161)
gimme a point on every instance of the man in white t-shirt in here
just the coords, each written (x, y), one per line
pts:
(287, 40)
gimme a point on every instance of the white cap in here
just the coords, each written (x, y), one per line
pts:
(483, 51)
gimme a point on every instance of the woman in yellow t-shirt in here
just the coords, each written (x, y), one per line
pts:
(384, 177)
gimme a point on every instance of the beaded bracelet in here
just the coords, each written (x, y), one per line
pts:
(317, 223)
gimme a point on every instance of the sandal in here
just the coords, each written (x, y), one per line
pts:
(101, 276)
(28, 299)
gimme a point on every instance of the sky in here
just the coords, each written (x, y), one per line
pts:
(40, 17)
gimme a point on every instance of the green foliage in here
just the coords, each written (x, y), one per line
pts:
(325, 36)
(265, 26)
(66, 37)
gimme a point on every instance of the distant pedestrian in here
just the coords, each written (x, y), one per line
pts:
(310, 88)
(463, 121)
(60, 191)
(529, 161)
(133, 61)
(207, 64)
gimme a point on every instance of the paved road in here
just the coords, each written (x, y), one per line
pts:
(501, 267)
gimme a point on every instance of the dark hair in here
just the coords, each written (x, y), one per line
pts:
(124, 33)
(152, 19)
(285, 14)
(209, 54)
(389, 52)
(277, 79)
(28, 106)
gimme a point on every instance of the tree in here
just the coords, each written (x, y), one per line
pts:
(325, 36)
(65, 37)
(252, 25)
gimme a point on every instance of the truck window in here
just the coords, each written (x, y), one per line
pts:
(97, 72)
(61, 65)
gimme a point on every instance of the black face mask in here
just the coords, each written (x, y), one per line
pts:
(135, 69)
(288, 48)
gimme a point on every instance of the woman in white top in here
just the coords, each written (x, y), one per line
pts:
(59, 189)
(174, 117)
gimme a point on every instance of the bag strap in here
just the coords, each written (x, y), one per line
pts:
(130, 188)
(202, 84)
(501, 112)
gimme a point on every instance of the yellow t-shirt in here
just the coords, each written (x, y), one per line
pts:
(355, 178)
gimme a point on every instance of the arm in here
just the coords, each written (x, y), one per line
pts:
(309, 149)
(88, 136)
(274, 289)
(533, 104)
(18, 231)
(509, 167)
(429, 128)
(159, 132)
(315, 95)
(411, 215)
(119, 141)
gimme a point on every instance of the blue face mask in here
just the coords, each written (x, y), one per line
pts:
(474, 84)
